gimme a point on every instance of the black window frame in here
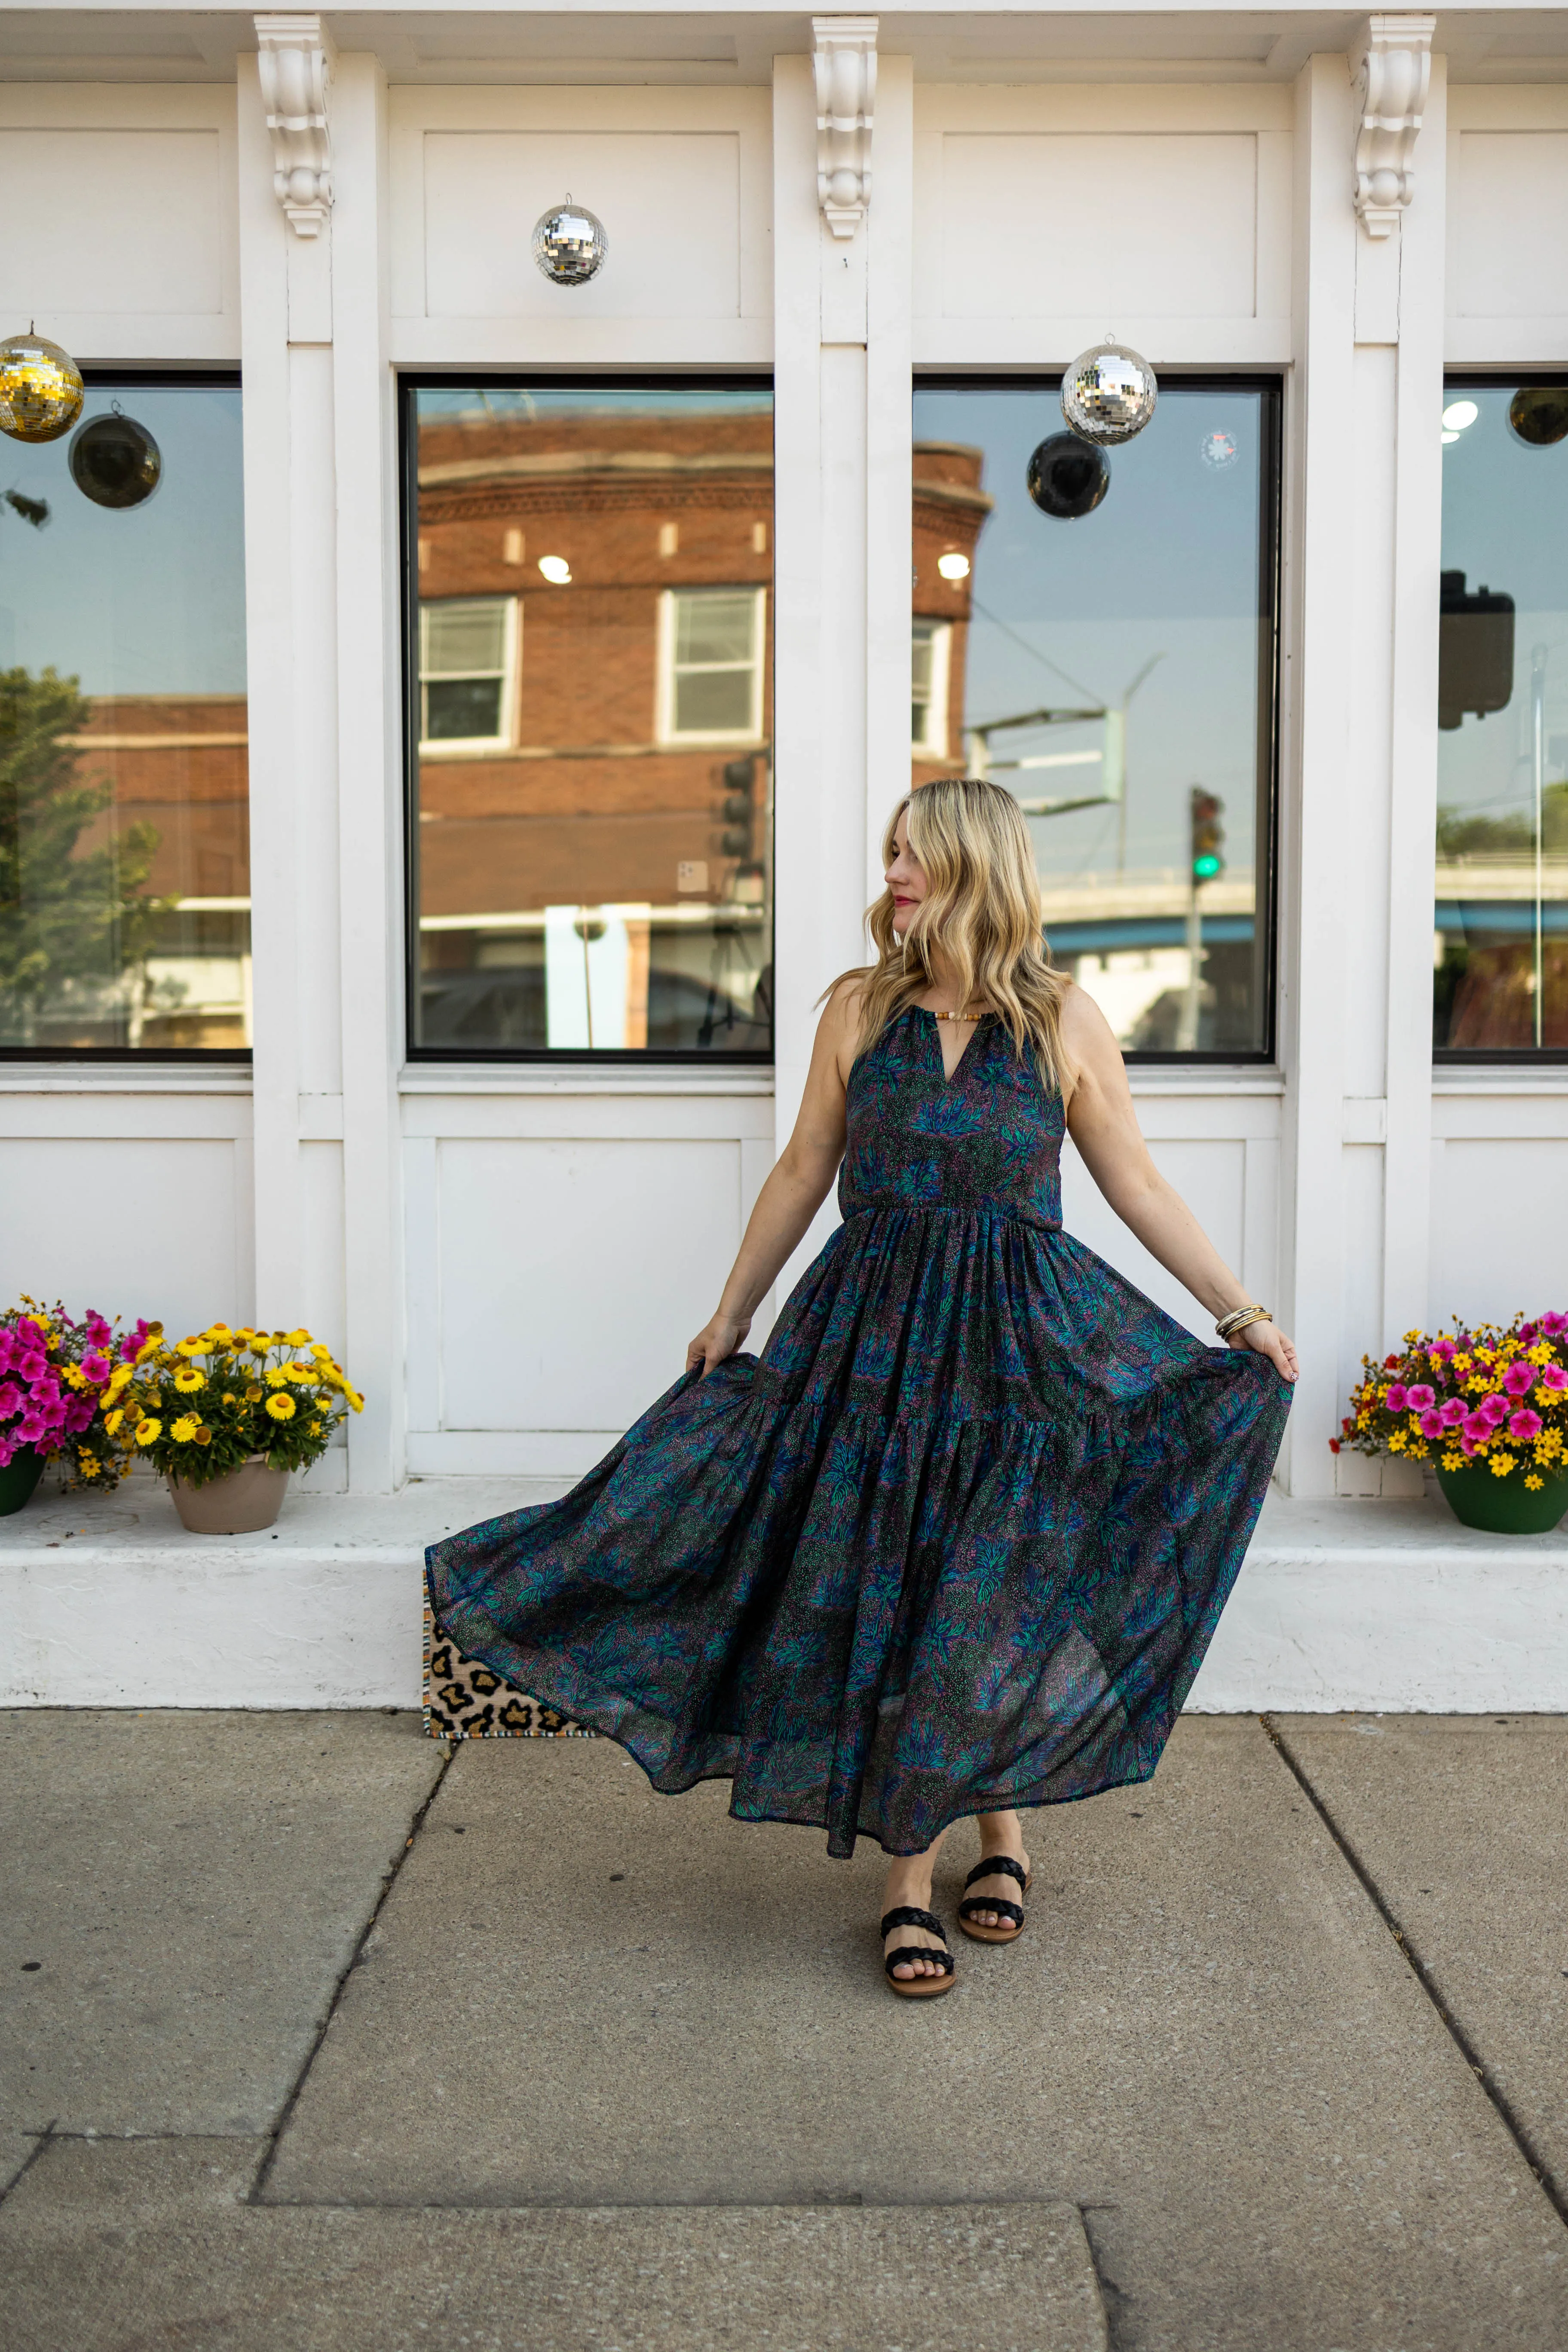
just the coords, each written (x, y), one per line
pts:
(411, 381)
(1271, 384)
(1496, 1057)
(152, 1057)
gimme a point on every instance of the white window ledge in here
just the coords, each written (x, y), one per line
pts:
(1205, 1078)
(580, 1078)
(1490, 1078)
(122, 1078)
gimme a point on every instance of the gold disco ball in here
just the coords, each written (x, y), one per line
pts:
(40, 388)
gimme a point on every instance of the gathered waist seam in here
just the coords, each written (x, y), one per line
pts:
(919, 1209)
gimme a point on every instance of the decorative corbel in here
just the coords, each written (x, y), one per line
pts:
(845, 61)
(296, 67)
(1394, 67)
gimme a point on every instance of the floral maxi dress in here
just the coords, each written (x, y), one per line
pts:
(957, 1540)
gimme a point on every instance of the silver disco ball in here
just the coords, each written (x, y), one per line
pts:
(1108, 395)
(570, 243)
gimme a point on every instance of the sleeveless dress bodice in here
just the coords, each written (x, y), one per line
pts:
(955, 1542)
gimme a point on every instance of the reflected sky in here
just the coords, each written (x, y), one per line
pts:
(1165, 569)
(147, 601)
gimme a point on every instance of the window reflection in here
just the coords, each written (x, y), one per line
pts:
(124, 867)
(593, 778)
(1115, 673)
(1499, 946)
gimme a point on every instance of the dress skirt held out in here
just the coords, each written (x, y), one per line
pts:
(956, 1541)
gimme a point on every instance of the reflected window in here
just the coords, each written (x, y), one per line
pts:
(1116, 673)
(590, 708)
(124, 840)
(1500, 939)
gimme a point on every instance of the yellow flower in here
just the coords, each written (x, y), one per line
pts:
(1411, 1339)
(149, 1348)
(296, 1372)
(322, 1355)
(282, 1408)
(184, 1429)
(1452, 1460)
(73, 1376)
(118, 1379)
(111, 1421)
(1461, 1364)
(89, 1464)
(218, 1332)
(261, 1344)
(277, 1377)
(1501, 1464)
(1531, 1480)
(203, 1435)
(1397, 1440)
(147, 1432)
(297, 1339)
(189, 1380)
(254, 1393)
(1418, 1452)
(354, 1397)
(1542, 1353)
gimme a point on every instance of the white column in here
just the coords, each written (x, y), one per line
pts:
(369, 764)
(1315, 1001)
(843, 441)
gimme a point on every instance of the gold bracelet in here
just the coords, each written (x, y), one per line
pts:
(1239, 1318)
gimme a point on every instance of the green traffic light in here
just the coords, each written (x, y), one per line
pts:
(1204, 868)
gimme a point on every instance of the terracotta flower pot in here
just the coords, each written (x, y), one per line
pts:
(237, 1504)
(18, 1479)
(1504, 1507)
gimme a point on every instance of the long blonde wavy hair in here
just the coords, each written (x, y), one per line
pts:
(981, 916)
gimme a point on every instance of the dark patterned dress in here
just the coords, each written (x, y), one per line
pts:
(956, 1541)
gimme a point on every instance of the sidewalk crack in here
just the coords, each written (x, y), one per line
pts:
(1551, 2188)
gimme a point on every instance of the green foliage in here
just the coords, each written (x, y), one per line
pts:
(1511, 835)
(69, 917)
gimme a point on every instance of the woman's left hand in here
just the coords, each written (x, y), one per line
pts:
(1269, 1341)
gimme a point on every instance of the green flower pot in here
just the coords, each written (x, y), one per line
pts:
(18, 1479)
(1504, 1507)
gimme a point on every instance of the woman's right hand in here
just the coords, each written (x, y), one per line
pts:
(715, 1342)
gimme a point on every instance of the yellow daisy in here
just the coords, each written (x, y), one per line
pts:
(189, 1380)
(1531, 1480)
(301, 1339)
(111, 1421)
(147, 1432)
(184, 1429)
(282, 1408)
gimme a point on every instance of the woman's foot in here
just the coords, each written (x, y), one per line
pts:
(908, 1887)
(992, 1907)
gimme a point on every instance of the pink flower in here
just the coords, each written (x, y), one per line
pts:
(1524, 1423)
(1554, 1326)
(8, 1350)
(99, 1333)
(10, 1400)
(32, 1365)
(1519, 1380)
(1552, 1376)
(1493, 1410)
(1477, 1427)
(1432, 1424)
(31, 1428)
(1442, 1349)
(1453, 1413)
(134, 1341)
(79, 1413)
(97, 1366)
(1419, 1398)
(6, 1451)
(1394, 1400)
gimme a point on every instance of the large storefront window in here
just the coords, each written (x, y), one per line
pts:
(124, 867)
(1116, 672)
(1499, 946)
(590, 706)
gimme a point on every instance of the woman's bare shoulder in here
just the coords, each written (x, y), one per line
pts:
(1087, 1035)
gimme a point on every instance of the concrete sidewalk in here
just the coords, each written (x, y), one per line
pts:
(315, 2039)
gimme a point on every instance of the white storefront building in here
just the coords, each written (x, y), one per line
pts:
(1342, 228)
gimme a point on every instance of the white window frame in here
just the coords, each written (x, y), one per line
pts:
(664, 730)
(937, 635)
(463, 747)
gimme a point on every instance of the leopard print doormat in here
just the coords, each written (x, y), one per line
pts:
(467, 1700)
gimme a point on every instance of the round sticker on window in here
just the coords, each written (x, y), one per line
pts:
(1218, 450)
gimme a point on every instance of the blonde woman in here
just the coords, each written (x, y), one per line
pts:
(956, 1542)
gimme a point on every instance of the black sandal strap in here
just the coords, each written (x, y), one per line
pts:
(943, 1960)
(1001, 1865)
(1012, 1912)
(906, 1916)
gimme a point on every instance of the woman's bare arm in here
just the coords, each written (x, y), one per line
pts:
(797, 1187)
(1103, 1124)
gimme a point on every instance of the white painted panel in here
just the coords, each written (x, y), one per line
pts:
(573, 1275)
(1500, 1239)
(1361, 1264)
(1050, 225)
(1507, 257)
(117, 221)
(321, 1305)
(670, 201)
(131, 1226)
(1211, 1178)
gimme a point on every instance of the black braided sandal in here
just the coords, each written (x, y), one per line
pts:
(918, 1987)
(998, 1865)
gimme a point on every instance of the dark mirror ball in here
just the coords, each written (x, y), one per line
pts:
(1068, 477)
(1539, 414)
(115, 462)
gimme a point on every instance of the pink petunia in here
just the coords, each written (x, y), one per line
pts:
(1519, 1380)
(1477, 1427)
(1443, 1349)
(1493, 1410)
(1418, 1398)
(1394, 1400)
(1453, 1413)
(8, 1350)
(1524, 1423)
(1552, 1376)
(6, 1450)
(10, 1400)
(31, 1428)
(1554, 1326)
(1432, 1424)
(97, 1366)
(100, 1333)
(79, 1413)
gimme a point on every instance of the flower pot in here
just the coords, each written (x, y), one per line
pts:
(18, 1479)
(237, 1504)
(1504, 1507)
